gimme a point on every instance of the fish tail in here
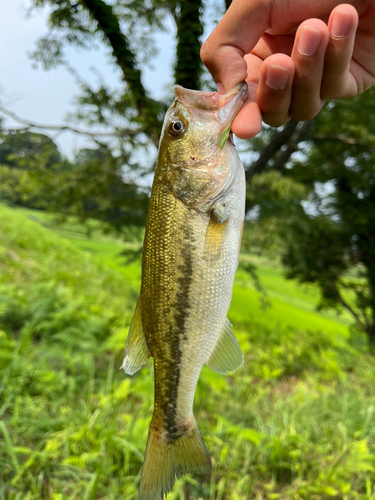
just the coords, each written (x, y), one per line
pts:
(167, 458)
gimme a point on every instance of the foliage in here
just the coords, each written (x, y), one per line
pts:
(295, 423)
(345, 217)
(97, 188)
(94, 185)
(18, 187)
(16, 146)
(128, 29)
(323, 200)
(296, 163)
(105, 187)
(22, 153)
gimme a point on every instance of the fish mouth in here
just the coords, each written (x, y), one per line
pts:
(226, 107)
(231, 103)
(226, 104)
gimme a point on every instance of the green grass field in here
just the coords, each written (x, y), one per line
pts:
(290, 304)
(296, 422)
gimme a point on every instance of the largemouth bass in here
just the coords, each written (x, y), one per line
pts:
(190, 256)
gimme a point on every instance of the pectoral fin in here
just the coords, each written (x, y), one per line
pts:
(136, 350)
(214, 240)
(227, 356)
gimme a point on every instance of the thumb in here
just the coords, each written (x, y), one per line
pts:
(236, 35)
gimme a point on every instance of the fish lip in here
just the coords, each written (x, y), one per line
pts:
(212, 101)
(231, 103)
(239, 92)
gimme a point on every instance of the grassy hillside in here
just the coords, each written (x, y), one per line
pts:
(289, 304)
(295, 423)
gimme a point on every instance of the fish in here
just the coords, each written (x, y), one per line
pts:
(190, 255)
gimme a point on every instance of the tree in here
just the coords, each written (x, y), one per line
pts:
(127, 29)
(16, 145)
(22, 153)
(285, 182)
(323, 198)
(96, 188)
(34, 174)
(126, 120)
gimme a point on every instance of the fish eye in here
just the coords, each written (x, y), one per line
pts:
(176, 127)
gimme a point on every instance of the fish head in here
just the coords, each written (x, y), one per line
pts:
(194, 164)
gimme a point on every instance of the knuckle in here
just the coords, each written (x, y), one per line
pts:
(337, 88)
(206, 54)
(335, 50)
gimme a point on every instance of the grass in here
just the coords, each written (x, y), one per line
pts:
(247, 308)
(296, 422)
(288, 300)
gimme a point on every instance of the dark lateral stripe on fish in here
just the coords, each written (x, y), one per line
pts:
(181, 313)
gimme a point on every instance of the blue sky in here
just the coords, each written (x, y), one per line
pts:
(47, 97)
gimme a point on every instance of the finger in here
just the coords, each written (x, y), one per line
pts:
(274, 90)
(308, 56)
(235, 35)
(362, 65)
(248, 122)
(337, 80)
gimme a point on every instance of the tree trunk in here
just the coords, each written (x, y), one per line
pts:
(188, 68)
(108, 24)
(371, 279)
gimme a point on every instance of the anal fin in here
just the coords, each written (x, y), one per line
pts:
(227, 356)
(136, 350)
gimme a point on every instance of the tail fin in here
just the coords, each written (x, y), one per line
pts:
(166, 459)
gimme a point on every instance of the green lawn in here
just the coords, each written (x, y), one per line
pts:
(281, 312)
(295, 423)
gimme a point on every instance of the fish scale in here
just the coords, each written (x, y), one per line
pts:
(190, 255)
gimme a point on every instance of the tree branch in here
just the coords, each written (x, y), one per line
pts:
(290, 136)
(292, 145)
(30, 124)
(339, 137)
(110, 27)
(341, 301)
(278, 140)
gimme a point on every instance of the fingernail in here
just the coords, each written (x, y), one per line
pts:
(277, 76)
(309, 40)
(340, 23)
(220, 88)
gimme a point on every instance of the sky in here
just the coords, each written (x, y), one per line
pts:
(47, 97)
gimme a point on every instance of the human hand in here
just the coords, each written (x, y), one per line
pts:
(294, 54)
